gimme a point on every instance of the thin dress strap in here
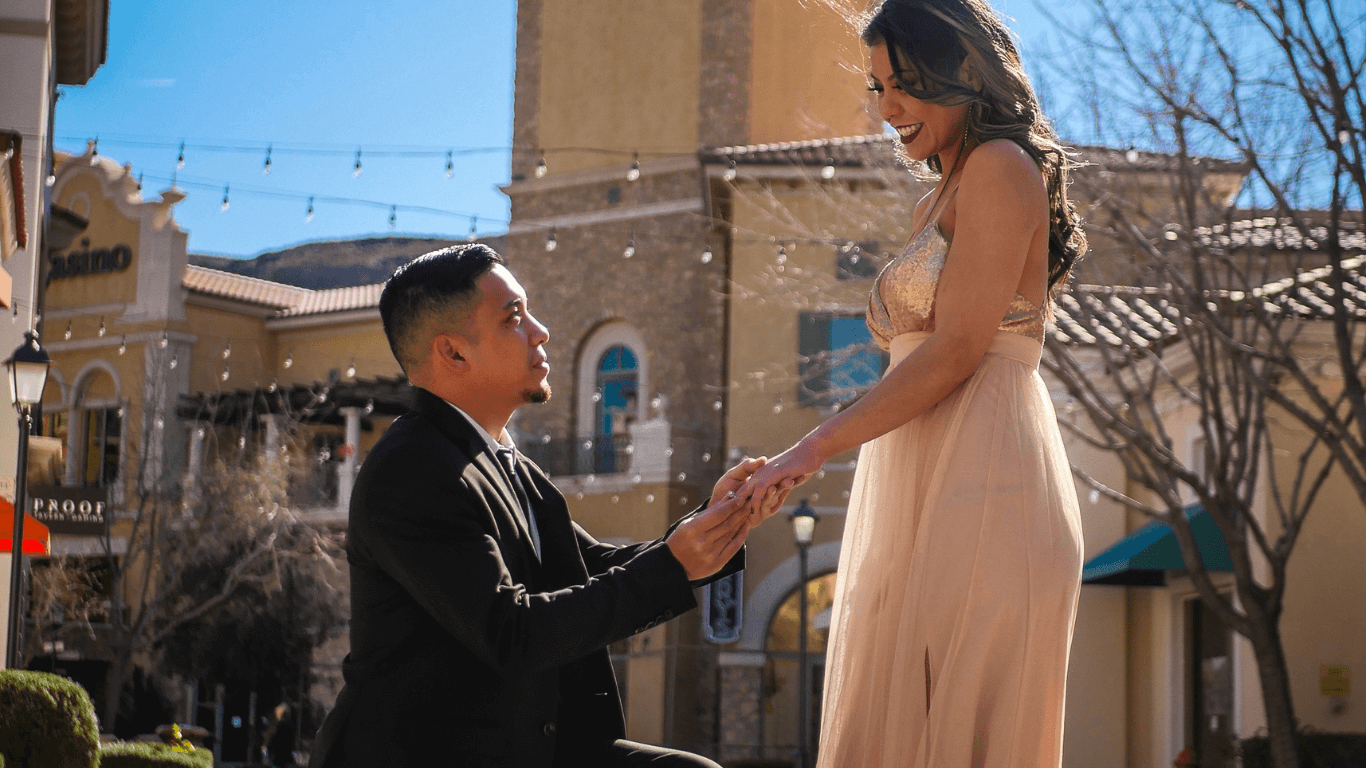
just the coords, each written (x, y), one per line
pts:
(940, 204)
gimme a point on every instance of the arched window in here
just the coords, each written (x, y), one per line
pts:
(618, 386)
(617, 395)
(782, 699)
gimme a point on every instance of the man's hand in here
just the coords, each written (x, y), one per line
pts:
(736, 477)
(708, 540)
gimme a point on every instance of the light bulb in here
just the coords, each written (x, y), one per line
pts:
(630, 249)
(289, 359)
(1344, 136)
(67, 333)
(474, 226)
(274, 384)
(308, 214)
(1131, 155)
(227, 350)
(634, 172)
(102, 331)
(224, 375)
(393, 216)
(51, 179)
(729, 175)
(369, 406)
(159, 423)
(351, 371)
(165, 339)
(541, 168)
(716, 406)
(123, 345)
(550, 242)
(180, 159)
(782, 254)
(175, 360)
(224, 207)
(828, 172)
(450, 166)
(706, 255)
(265, 170)
(706, 457)
(356, 171)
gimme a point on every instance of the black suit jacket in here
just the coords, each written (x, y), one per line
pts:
(465, 649)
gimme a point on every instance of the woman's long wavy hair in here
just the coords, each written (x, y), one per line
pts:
(956, 52)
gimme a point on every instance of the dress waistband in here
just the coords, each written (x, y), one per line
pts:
(1004, 344)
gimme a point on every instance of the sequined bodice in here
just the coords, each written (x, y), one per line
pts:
(902, 299)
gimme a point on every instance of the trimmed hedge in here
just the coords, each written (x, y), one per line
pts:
(46, 721)
(1317, 750)
(127, 754)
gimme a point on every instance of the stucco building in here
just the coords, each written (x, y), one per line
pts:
(699, 207)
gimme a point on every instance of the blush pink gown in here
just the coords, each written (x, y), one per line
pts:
(961, 561)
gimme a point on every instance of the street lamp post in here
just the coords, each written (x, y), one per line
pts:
(804, 521)
(28, 368)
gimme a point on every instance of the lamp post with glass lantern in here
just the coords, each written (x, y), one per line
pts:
(28, 369)
(804, 521)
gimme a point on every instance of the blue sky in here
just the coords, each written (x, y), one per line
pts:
(431, 76)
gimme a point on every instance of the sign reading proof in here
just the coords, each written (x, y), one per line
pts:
(78, 511)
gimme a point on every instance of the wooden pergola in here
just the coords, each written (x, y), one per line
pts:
(316, 403)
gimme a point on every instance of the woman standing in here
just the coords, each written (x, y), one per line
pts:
(961, 561)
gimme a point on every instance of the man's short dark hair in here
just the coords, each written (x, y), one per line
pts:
(434, 287)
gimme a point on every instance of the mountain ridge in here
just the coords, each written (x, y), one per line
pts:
(334, 263)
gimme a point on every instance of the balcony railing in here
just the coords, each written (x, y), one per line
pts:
(598, 455)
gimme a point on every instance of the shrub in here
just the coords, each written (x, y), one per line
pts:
(46, 721)
(127, 754)
(1318, 749)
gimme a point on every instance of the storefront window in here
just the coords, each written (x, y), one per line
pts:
(103, 432)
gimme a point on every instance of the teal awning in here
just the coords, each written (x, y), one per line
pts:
(1143, 558)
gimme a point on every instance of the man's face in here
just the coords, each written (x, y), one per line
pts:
(505, 354)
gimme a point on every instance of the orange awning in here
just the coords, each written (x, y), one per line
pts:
(37, 540)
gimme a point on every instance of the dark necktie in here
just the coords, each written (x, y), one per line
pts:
(507, 457)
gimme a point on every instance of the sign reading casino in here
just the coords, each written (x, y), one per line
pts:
(77, 511)
(88, 261)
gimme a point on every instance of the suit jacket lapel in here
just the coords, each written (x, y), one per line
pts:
(467, 438)
(560, 555)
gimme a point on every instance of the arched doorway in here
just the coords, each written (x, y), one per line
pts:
(781, 695)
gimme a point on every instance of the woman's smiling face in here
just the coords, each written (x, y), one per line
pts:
(925, 129)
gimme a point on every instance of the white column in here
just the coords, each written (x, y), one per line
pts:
(272, 422)
(346, 470)
(195, 458)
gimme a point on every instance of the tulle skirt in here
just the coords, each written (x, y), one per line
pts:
(958, 581)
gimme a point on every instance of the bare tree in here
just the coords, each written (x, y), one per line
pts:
(191, 559)
(1245, 309)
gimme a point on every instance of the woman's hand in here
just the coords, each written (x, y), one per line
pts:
(787, 470)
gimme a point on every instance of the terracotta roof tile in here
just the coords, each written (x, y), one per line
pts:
(289, 300)
(253, 290)
(1085, 315)
(337, 300)
(875, 149)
